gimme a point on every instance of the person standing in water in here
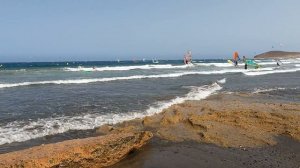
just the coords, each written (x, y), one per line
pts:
(278, 62)
(245, 61)
(235, 58)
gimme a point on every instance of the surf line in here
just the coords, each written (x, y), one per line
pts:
(82, 81)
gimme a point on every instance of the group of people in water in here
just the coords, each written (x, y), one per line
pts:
(236, 58)
(187, 59)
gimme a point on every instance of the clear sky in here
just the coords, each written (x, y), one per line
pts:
(64, 30)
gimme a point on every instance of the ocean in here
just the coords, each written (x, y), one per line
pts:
(47, 102)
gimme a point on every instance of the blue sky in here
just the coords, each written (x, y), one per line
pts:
(64, 30)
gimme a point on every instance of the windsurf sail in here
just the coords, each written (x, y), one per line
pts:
(252, 63)
(235, 56)
(187, 59)
(155, 61)
(278, 62)
(230, 62)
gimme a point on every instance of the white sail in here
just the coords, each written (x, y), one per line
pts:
(188, 57)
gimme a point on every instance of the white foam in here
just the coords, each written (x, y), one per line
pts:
(271, 62)
(19, 131)
(261, 90)
(275, 63)
(215, 64)
(21, 70)
(222, 81)
(264, 90)
(126, 68)
(82, 81)
(196, 93)
(255, 73)
(249, 72)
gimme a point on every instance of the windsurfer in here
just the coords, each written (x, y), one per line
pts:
(236, 58)
(278, 62)
(187, 59)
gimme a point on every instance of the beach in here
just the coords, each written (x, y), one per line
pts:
(254, 131)
(265, 136)
(212, 114)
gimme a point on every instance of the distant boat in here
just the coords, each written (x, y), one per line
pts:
(155, 61)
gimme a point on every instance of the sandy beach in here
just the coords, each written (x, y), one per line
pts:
(252, 131)
(227, 120)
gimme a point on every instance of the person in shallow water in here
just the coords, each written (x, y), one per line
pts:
(278, 62)
(236, 58)
(245, 61)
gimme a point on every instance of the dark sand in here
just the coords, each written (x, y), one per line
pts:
(160, 154)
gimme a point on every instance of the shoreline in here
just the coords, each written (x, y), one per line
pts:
(256, 121)
(279, 149)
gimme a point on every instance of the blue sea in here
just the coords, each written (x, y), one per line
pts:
(46, 102)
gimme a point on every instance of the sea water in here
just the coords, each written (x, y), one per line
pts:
(45, 102)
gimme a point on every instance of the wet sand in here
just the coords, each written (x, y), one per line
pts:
(286, 154)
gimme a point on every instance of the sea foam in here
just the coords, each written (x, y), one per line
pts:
(249, 72)
(81, 81)
(215, 64)
(255, 73)
(262, 90)
(126, 68)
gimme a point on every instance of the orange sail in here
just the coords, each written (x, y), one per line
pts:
(235, 56)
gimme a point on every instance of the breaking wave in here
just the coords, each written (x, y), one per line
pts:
(81, 81)
(126, 68)
(258, 72)
(249, 72)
